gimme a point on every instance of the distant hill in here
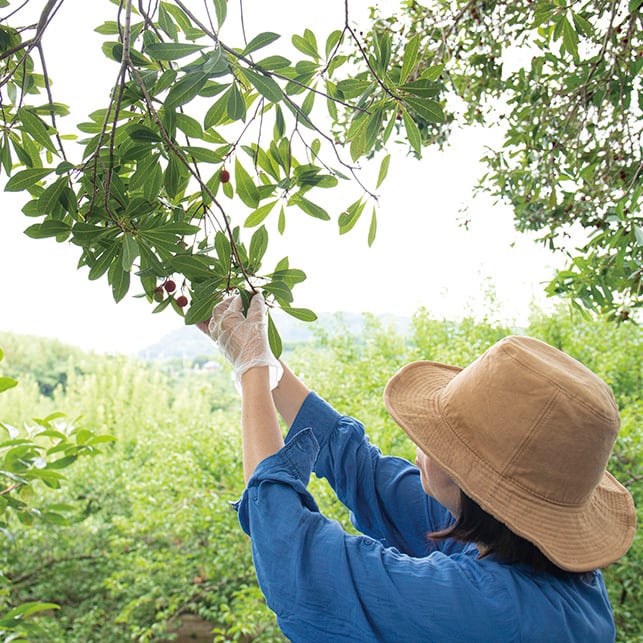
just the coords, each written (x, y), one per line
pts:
(188, 342)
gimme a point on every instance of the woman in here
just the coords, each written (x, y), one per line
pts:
(496, 534)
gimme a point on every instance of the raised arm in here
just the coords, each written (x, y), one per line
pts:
(243, 340)
(289, 395)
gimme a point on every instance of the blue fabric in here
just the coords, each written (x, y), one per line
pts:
(391, 584)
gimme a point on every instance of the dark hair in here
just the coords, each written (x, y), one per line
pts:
(475, 525)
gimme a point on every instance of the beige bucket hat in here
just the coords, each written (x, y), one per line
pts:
(526, 431)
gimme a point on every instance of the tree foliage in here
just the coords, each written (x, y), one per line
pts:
(563, 81)
(194, 123)
(31, 460)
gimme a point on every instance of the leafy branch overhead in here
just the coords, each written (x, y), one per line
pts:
(562, 82)
(195, 124)
(190, 124)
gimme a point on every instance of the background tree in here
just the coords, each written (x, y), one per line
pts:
(563, 81)
(193, 121)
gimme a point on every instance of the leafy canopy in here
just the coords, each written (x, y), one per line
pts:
(194, 124)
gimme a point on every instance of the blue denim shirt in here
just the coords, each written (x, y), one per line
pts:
(392, 583)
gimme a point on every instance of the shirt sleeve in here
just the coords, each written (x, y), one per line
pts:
(326, 585)
(384, 494)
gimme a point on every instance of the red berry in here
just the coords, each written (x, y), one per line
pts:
(169, 286)
(225, 176)
(182, 301)
(158, 294)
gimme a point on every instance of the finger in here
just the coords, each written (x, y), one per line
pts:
(257, 307)
(237, 304)
(221, 307)
(214, 326)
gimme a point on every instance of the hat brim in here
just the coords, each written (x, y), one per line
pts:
(576, 538)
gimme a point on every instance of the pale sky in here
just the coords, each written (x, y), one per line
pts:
(421, 257)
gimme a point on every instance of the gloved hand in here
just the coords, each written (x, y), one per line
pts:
(244, 339)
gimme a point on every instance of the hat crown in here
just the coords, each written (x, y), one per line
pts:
(536, 417)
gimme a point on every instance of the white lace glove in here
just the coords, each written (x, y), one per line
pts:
(243, 340)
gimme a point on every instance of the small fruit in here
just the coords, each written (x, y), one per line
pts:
(158, 294)
(225, 176)
(169, 286)
(182, 301)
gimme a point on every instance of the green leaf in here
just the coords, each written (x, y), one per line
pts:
(274, 339)
(384, 165)
(257, 217)
(6, 383)
(430, 110)
(290, 276)
(29, 608)
(246, 189)
(281, 223)
(108, 28)
(410, 57)
(48, 228)
(143, 134)
(266, 86)
(26, 179)
(217, 113)
(260, 41)
(373, 128)
(570, 37)
(221, 9)
(412, 132)
(258, 247)
(309, 207)
(129, 252)
(36, 128)
(50, 198)
(583, 25)
(353, 87)
(331, 42)
(303, 314)
(305, 46)
(349, 218)
(236, 106)
(166, 23)
(201, 309)
(119, 279)
(104, 261)
(423, 87)
(223, 248)
(163, 51)
(171, 177)
(189, 126)
(202, 154)
(272, 63)
(372, 231)
(432, 73)
(185, 89)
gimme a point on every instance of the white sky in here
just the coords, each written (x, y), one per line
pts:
(421, 257)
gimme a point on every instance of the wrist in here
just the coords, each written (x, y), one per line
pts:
(256, 376)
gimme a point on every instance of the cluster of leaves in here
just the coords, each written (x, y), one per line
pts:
(31, 459)
(192, 121)
(563, 81)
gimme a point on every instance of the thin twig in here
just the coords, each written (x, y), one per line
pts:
(51, 99)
